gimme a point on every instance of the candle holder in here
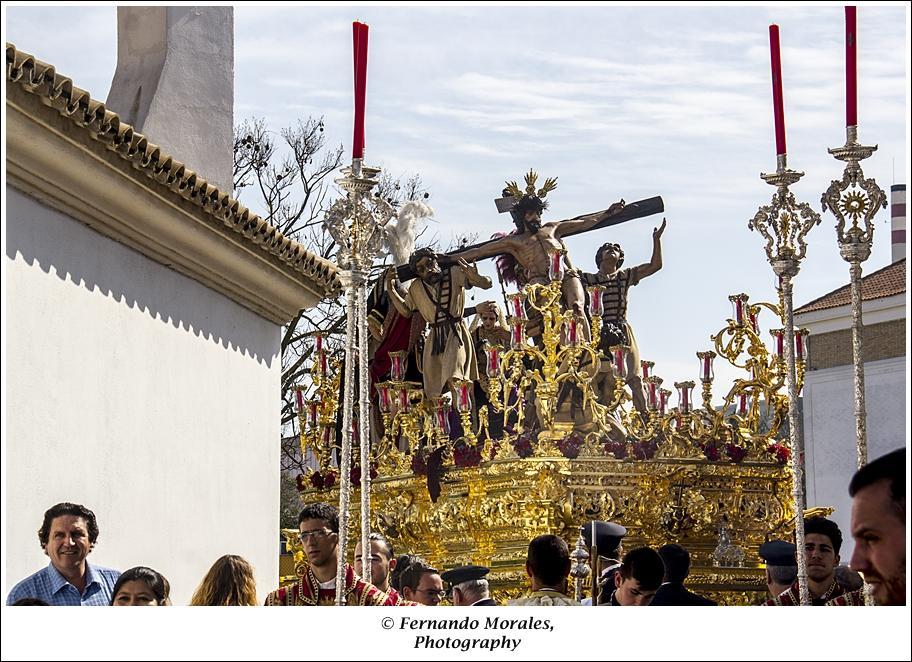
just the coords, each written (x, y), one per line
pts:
(494, 382)
(739, 308)
(646, 367)
(784, 223)
(854, 201)
(664, 394)
(706, 376)
(685, 396)
(463, 388)
(556, 264)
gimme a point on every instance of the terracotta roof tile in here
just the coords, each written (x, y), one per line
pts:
(886, 282)
(58, 92)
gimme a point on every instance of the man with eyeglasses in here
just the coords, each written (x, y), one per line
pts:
(319, 527)
(422, 584)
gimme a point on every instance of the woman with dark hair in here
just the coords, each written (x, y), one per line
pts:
(141, 587)
(229, 582)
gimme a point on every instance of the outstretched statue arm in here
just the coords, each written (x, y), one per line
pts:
(391, 289)
(485, 250)
(473, 278)
(587, 221)
(655, 263)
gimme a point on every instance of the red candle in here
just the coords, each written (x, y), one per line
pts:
(778, 114)
(555, 265)
(742, 404)
(646, 366)
(397, 367)
(359, 36)
(465, 402)
(314, 407)
(404, 399)
(799, 345)
(319, 342)
(739, 311)
(851, 70)
(493, 360)
(572, 334)
(300, 399)
(596, 306)
(652, 395)
(385, 403)
(517, 303)
(707, 368)
(516, 336)
(663, 400)
(619, 362)
(780, 344)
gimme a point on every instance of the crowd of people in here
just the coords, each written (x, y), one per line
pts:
(638, 577)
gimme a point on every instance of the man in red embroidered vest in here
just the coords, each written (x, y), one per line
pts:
(822, 541)
(382, 563)
(319, 526)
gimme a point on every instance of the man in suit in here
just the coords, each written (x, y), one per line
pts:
(468, 586)
(672, 592)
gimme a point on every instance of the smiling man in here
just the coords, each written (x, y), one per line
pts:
(68, 535)
(822, 542)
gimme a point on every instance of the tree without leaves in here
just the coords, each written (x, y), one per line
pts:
(288, 177)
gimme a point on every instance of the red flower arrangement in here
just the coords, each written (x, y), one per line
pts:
(571, 445)
(735, 453)
(495, 448)
(711, 451)
(523, 444)
(780, 451)
(355, 474)
(616, 448)
(465, 454)
(419, 464)
(323, 481)
(645, 450)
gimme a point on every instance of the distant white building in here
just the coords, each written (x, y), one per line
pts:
(144, 314)
(828, 396)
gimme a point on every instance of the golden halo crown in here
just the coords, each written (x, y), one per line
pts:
(531, 178)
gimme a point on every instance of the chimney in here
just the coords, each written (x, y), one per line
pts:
(174, 83)
(898, 220)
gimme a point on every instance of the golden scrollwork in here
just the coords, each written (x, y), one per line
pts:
(715, 479)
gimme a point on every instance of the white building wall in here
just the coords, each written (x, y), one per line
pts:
(142, 394)
(829, 431)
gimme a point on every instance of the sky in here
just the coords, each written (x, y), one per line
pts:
(617, 102)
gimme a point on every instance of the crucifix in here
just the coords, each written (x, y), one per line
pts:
(527, 248)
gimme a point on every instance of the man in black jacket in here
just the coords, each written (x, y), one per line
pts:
(672, 592)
